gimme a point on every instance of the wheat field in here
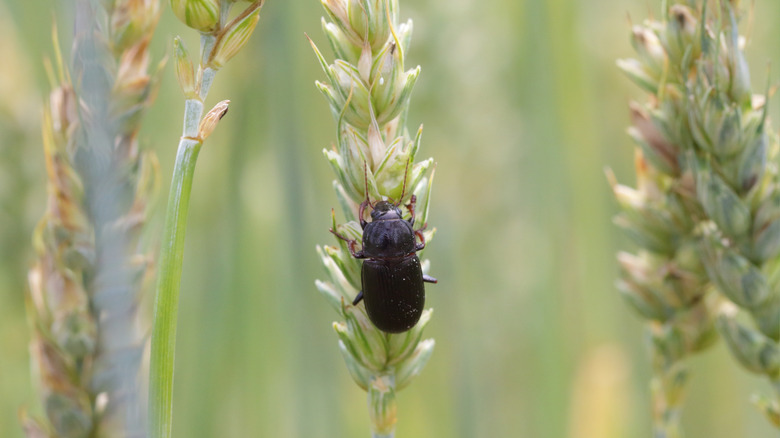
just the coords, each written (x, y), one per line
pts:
(523, 108)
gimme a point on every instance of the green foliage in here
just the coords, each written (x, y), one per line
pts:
(523, 107)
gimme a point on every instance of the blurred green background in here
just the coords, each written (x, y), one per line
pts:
(523, 108)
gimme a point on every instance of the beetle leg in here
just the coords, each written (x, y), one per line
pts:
(351, 243)
(428, 279)
(421, 245)
(336, 233)
(357, 298)
(361, 213)
(410, 207)
(355, 254)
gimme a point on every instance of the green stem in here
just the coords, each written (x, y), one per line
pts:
(382, 408)
(668, 388)
(166, 304)
(168, 285)
(669, 426)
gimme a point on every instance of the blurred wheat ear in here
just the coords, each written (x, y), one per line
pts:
(85, 286)
(369, 90)
(706, 210)
(664, 281)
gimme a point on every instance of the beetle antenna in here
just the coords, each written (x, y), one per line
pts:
(365, 176)
(403, 189)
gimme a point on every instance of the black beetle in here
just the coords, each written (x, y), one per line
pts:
(392, 277)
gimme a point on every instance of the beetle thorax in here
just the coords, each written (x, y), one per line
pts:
(388, 236)
(384, 210)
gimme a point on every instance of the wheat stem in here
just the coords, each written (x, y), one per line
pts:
(166, 304)
(168, 286)
(668, 386)
(220, 41)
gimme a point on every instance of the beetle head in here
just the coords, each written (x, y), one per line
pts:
(384, 210)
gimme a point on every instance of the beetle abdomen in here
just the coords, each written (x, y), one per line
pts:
(393, 292)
